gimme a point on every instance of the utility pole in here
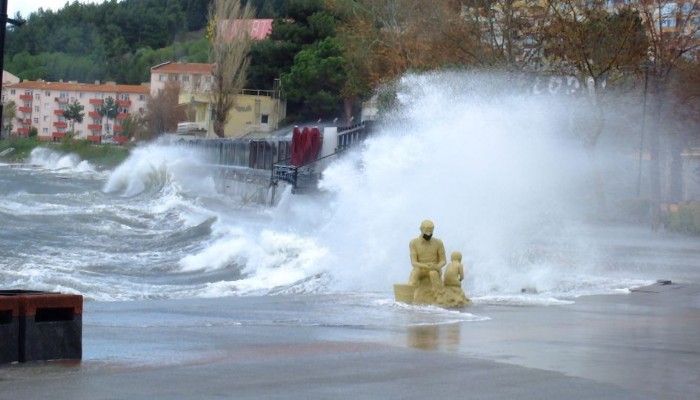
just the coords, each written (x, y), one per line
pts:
(4, 20)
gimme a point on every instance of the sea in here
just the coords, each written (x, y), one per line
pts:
(501, 172)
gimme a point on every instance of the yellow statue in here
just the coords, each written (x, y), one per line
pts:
(454, 273)
(427, 255)
(454, 296)
(427, 259)
(425, 285)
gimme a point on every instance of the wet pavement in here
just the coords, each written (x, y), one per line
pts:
(642, 345)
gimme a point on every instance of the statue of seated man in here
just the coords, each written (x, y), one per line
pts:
(427, 259)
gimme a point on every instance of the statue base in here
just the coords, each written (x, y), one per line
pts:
(404, 293)
(425, 294)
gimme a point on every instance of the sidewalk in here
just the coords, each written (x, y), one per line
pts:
(638, 346)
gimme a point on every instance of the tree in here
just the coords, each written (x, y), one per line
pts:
(596, 45)
(673, 31)
(74, 113)
(108, 109)
(9, 112)
(163, 112)
(316, 79)
(585, 39)
(134, 126)
(231, 43)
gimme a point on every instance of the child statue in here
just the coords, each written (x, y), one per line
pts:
(454, 274)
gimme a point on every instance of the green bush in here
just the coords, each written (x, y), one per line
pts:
(22, 148)
(102, 155)
(685, 220)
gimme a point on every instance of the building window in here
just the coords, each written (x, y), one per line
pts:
(36, 120)
(47, 93)
(12, 91)
(124, 96)
(46, 118)
(45, 131)
(36, 108)
(162, 78)
(142, 97)
(29, 92)
(668, 22)
(264, 119)
(173, 77)
(99, 95)
(80, 95)
(63, 95)
(37, 96)
(185, 78)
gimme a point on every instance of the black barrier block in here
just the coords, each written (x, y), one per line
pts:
(9, 329)
(20, 292)
(50, 327)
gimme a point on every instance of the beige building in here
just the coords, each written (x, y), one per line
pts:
(40, 104)
(255, 111)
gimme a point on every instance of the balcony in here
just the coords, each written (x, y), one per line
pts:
(95, 127)
(59, 135)
(23, 131)
(27, 110)
(120, 139)
(97, 102)
(94, 115)
(24, 121)
(122, 115)
(58, 112)
(94, 138)
(26, 97)
(123, 103)
(61, 100)
(60, 124)
(117, 128)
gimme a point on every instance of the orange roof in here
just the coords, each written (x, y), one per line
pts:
(79, 87)
(183, 68)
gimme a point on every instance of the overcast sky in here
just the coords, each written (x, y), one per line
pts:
(28, 6)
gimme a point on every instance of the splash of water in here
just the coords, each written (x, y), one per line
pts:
(497, 170)
(52, 160)
(152, 167)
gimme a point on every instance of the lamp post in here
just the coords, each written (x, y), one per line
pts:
(645, 66)
(4, 20)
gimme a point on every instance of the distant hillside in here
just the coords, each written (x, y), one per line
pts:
(112, 41)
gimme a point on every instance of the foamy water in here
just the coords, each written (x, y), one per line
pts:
(495, 171)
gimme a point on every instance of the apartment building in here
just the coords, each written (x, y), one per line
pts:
(255, 111)
(40, 105)
(189, 77)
